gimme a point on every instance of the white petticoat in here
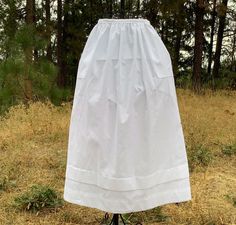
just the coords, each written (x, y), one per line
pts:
(126, 149)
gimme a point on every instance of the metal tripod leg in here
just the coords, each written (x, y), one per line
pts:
(115, 219)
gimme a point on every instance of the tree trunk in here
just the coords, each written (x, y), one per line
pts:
(60, 77)
(30, 18)
(122, 8)
(233, 60)
(65, 36)
(213, 18)
(48, 29)
(222, 17)
(34, 24)
(138, 8)
(177, 41)
(198, 48)
(110, 8)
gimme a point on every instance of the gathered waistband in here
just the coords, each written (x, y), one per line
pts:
(141, 20)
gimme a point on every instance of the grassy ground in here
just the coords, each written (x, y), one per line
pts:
(33, 148)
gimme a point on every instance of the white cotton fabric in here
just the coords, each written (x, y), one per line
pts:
(126, 149)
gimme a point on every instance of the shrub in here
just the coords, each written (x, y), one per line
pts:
(6, 183)
(3, 184)
(231, 199)
(37, 198)
(229, 150)
(199, 156)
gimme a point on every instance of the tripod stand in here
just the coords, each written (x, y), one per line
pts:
(115, 219)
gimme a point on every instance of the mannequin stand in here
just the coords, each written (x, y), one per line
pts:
(115, 219)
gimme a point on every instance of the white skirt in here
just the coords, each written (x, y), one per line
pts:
(126, 148)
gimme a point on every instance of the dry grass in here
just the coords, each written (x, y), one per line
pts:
(33, 145)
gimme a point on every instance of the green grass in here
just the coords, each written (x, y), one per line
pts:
(38, 198)
(199, 155)
(229, 150)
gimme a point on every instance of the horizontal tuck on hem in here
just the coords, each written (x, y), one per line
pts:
(127, 183)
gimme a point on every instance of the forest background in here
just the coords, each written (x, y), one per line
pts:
(41, 42)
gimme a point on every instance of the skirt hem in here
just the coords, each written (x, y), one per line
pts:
(129, 204)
